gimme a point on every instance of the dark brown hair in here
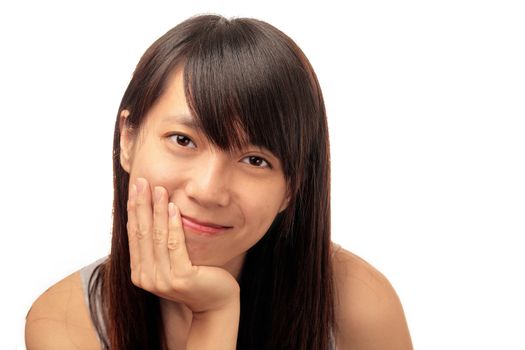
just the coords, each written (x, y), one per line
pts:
(246, 76)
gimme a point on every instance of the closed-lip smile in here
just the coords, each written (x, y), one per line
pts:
(206, 228)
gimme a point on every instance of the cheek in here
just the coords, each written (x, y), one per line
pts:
(261, 213)
(261, 203)
(158, 170)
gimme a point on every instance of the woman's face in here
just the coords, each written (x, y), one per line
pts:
(241, 192)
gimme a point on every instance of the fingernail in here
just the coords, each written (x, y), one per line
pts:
(158, 193)
(140, 185)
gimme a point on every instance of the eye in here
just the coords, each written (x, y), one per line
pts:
(257, 162)
(183, 140)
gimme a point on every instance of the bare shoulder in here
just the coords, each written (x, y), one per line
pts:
(59, 318)
(368, 311)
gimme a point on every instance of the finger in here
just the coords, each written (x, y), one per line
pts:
(134, 254)
(144, 224)
(160, 230)
(179, 259)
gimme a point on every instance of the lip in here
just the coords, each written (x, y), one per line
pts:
(203, 228)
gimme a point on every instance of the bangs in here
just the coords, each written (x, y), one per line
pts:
(239, 84)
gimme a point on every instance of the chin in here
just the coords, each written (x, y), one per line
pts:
(200, 254)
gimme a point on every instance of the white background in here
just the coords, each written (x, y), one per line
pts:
(426, 110)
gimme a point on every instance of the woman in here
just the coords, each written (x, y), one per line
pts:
(221, 231)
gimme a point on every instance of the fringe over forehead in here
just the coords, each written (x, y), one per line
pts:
(246, 83)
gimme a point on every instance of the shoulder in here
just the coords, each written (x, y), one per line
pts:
(59, 318)
(368, 313)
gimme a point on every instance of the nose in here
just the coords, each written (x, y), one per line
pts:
(208, 184)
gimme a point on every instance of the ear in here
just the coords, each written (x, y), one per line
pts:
(285, 202)
(127, 141)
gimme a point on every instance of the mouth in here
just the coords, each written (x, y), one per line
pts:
(203, 228)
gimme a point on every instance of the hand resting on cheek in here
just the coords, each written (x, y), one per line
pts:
(159, 258)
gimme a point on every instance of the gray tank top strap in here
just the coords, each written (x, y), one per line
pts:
(332, 340)
(86, 274)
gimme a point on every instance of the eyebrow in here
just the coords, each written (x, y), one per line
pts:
(184, 119)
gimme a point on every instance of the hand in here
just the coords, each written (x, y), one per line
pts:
(159, 259)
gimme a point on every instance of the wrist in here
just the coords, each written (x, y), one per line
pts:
(230, 308)
(216, 328)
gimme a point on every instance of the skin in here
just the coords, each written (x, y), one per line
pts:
(369, 315)
(205, 183)
(175, 172)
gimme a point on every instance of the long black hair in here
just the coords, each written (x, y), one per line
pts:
(245, 81)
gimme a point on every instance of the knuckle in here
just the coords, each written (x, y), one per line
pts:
(145, 281)
(130, 228)
(163, 288)
(135, 279)
(173, 244)
(158, 235)
(130, 205)
(141, 232)
(160, 282)
(180, 284)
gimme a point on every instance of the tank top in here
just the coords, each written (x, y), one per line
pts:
(88, 272)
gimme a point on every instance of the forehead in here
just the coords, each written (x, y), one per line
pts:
(172, 104)
(172, 107)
